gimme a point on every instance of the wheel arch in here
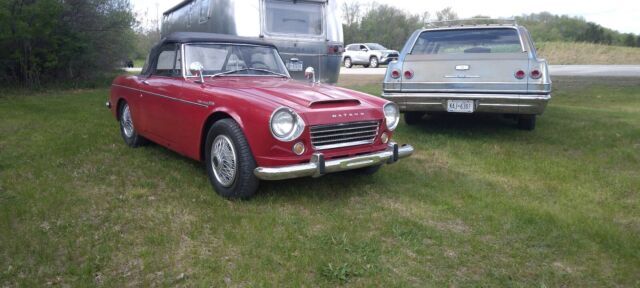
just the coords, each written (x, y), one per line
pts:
(119, 103)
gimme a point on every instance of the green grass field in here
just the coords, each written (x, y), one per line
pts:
(480, 203)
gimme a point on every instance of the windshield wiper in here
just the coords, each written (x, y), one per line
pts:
(248, 69)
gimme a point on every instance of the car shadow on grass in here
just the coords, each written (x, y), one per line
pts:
(331, 186)
(468, 125)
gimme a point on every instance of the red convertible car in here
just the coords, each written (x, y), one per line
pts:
(229, 102)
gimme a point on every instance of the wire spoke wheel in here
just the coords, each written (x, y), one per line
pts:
(223, 160)
(127, 122)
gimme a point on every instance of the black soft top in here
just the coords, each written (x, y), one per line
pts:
(197, 37)
(194, 37)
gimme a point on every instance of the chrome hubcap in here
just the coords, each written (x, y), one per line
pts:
(223, 160)
(347, 62)
(127, 122)
(374, 62)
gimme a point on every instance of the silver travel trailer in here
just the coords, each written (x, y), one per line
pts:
(307, 33)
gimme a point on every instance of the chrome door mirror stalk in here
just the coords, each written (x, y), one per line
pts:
(199, 68)
(310, 74)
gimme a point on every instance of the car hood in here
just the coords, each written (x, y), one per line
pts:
(388, 51)
(300, 95)
(318, 103)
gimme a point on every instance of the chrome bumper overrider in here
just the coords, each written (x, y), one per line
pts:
(318, 166)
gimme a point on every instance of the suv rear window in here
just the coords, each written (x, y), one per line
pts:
(468, 41)
(294, 17)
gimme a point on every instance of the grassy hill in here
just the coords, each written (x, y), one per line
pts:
(587, 53)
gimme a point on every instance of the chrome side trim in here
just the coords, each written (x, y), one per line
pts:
(162, 96)
(317, 166)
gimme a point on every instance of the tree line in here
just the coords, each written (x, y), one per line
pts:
(391, 26)
(48, 41)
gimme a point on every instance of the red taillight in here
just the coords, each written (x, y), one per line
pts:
(408, 74)
(520, 74)
(334, 49)
(535, 74)
(395, 74)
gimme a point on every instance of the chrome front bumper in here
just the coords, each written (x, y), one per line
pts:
(318, 166)
(484, 103)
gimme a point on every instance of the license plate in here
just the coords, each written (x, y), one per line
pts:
(460, 106)
(294, 66)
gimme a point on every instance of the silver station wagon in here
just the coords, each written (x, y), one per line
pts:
(489, 68)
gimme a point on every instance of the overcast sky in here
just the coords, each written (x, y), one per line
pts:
(621, 15)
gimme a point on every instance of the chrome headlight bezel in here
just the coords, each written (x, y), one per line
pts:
(391, 115)
(297, 125)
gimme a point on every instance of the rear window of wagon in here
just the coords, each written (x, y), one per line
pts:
(461, 41)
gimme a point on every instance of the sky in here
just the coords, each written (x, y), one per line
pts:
(621, 15)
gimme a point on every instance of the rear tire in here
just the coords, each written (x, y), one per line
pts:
(348, 63)
(373, 62)
(229, 161)
(527, 122)
(365, 65)
(127, 129)
(413, 117)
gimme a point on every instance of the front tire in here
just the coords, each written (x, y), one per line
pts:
(229, 161)
(348, 63)
(373, 62)
(413, 117)
(127, 129)
(527, 122)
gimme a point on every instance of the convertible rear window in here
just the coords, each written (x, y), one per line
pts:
(294, 17)
(492, 40)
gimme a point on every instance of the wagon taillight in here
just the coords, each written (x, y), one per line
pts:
(408, 74)
(395, 74)
(520, 74)
(535, 74)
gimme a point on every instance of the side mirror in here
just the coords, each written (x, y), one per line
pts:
(310, 74)
(364, 50)
(197, 68)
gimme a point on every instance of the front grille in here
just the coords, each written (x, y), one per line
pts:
(344, 134)
(392, 55)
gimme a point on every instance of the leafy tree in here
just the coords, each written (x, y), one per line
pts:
(630, 40)
(45, 41)
(446, 14)
(382, 24)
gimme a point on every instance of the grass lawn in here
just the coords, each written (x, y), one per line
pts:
(480, 203)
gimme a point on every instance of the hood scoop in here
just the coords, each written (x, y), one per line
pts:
(333, 102)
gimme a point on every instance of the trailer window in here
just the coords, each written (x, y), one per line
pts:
(468, 41)
(297, 18)
(204, 11)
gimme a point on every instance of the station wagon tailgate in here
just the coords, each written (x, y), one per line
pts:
(470, 60)
(472, 73)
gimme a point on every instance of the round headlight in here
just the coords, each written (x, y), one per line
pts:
(391, 115)
(285, 124)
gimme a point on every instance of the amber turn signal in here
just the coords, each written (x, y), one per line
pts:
(298, 148)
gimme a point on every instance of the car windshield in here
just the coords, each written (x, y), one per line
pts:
(233, 60)
(376, 46)
(468, 41)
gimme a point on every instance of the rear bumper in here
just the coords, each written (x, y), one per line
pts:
(484, 103)
(318, 166)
